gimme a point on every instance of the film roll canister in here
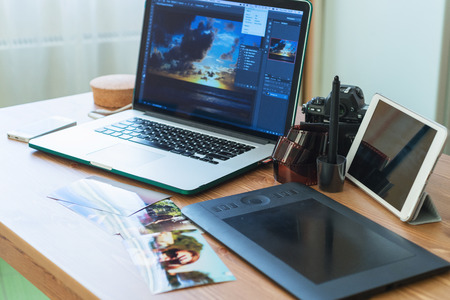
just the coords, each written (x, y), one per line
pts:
(295, 155)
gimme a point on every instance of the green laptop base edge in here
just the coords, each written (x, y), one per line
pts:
(150, 182)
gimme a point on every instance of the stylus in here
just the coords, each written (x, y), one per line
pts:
(334, 121)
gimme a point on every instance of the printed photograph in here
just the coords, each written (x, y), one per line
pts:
(168, 250)
(110, 223)
(283, 50)
(162, 216)
(177, 259)
(107, 195)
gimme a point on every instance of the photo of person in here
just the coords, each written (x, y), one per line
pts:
(177, 259)
(174, 258)
(175, 249)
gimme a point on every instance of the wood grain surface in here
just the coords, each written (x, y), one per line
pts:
(67, 257)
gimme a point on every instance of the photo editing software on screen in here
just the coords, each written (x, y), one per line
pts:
(221, 61)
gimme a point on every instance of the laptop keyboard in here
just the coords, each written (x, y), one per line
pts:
(177, 140)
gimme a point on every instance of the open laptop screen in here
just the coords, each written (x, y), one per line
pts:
(230, 64)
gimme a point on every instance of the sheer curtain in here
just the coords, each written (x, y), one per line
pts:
(53, 48)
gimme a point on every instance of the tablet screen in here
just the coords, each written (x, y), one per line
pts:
(391, 153)
(317, 241)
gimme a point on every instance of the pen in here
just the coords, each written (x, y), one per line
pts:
(334, 122)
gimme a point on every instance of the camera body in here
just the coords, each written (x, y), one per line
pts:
(351, 112)
(351, 108)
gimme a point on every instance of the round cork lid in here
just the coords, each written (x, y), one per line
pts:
(113, 90)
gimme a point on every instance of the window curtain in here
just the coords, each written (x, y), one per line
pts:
(53, 48)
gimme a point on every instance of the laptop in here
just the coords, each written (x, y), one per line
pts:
(224, 71)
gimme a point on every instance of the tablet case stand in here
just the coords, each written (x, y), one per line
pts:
(426, 212)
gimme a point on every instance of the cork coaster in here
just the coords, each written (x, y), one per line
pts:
(113, 91)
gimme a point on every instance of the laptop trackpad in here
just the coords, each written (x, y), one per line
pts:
(122, 156)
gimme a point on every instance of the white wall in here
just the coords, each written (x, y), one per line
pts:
(388, 46)
(392, 47)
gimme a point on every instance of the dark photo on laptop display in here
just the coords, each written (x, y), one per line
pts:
(282, 50)
(199, 55)
(221, 62)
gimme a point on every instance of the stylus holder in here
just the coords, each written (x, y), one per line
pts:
(331, 176)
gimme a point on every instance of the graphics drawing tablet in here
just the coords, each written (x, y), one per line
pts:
(393, 155)
(311, 245)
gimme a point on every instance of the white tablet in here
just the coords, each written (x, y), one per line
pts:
(393, 155)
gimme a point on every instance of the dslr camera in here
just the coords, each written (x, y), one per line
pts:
(351, 108)
(351, 112)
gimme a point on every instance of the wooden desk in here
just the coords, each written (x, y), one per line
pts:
(67, 257)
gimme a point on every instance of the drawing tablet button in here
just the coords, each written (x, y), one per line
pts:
(255, 200)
